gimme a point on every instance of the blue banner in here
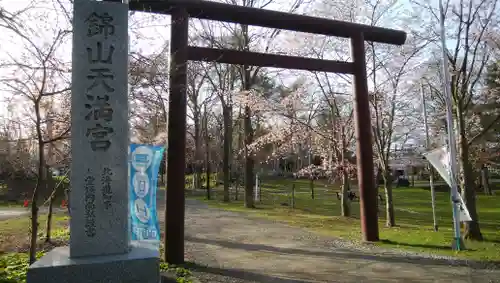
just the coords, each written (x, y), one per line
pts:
(144, 164)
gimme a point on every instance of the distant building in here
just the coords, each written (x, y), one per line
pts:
(406, 160)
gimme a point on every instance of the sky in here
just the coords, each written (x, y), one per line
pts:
(147, 36)
(148, 33)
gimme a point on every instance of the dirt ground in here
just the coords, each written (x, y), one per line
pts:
(15, 228)
(231, 247)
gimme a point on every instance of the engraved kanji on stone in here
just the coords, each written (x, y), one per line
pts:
(100, 25)
(100, 77)
(89, 200)
(107, 193)
(99, 108)
(98, 56)
(99, 137)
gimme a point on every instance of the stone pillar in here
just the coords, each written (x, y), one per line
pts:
(99, 135)
(100, 249)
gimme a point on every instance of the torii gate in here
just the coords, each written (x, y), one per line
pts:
(181, 52)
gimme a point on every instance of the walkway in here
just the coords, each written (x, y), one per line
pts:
(231, 247)
(7, 212)
(13, 212)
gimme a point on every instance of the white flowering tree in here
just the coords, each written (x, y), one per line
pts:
(322, 125)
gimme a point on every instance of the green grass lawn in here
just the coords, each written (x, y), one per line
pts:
(17, 200)
(14, 244)
(14, 232)
(19, 203)
(189, 181)
(11, 204)
(413, 217)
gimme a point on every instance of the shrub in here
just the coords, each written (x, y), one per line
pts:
(14, 266)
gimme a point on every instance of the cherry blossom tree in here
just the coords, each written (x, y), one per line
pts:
(198, 96)
(148, 80)
(470, 25)
(34, 76)
(240, 37)
(322, 125)
(392, 104)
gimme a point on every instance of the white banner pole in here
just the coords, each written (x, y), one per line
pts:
(458, 245)
(428, 145)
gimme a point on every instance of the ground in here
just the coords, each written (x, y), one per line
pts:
(14, 232)
(413, 217)
(234, 247)
(278, 244)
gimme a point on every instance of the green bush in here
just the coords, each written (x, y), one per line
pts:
(182, 274)
(63, 179)
(58, 234)
(213, 180)
(14, 266)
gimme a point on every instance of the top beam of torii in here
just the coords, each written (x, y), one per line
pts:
(209, 10)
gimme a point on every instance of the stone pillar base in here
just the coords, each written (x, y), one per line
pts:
(140, 265)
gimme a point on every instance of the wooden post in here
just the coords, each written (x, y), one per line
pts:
(364, 151)
(174, 211)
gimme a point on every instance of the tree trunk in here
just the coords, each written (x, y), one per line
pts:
(472, 230)
(240, 144)
(197, 175)
(226, 112)
(68, 201)
(33, 230)
(311, 186)
(207, 152)
(485, 180)
(247, 120)
(389, 204)
(207, 165)
(40, 183)
(236, 192)
(378, 176)
(197, 152)
(249, 174)
(412, 176)
(48, 226)
(345, 203)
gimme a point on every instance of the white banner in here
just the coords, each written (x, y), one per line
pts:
(440, 160)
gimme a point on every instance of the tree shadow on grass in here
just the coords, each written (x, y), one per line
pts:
(240, 274)
(253, 276)
(441, 247)
(496, 241)
(428, 246)
(268, 186)
(339, 253)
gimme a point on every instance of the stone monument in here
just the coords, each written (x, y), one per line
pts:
(100, 249)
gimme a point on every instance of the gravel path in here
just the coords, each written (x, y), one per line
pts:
(235, 248)
(7, 212)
